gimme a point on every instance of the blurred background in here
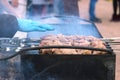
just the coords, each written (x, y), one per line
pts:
(109, 28)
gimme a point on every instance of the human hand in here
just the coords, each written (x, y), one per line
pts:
(29, 25)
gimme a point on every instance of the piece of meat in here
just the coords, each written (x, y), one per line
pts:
(72, 40)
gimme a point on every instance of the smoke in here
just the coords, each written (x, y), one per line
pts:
(10, 69)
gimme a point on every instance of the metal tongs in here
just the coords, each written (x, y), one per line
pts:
(112, 41)
(115, 42)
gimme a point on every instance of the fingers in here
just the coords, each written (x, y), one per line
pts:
(44, 28)
(41, 29)
(47, 27)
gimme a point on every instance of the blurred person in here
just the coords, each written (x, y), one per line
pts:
(24, 24)
(92, 14)
(39, 7)
(6, 8)
(20, 7)
(71, 7)
(116, 10)
(66, 7)
(58, 7)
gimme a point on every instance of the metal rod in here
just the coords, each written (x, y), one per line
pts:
(48, 47)
(110, 39)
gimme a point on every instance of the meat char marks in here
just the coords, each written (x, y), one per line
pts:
(72, 40)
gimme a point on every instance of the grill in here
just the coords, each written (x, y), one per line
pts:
(30, 65)
(73, 67)
(69, 67)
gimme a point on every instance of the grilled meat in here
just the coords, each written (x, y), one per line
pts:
(73, 40)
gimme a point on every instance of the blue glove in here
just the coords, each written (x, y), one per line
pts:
(29, 25)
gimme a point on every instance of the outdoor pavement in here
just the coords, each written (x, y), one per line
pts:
(107, 28)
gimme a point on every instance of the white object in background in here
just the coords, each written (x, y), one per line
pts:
(20, 34)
